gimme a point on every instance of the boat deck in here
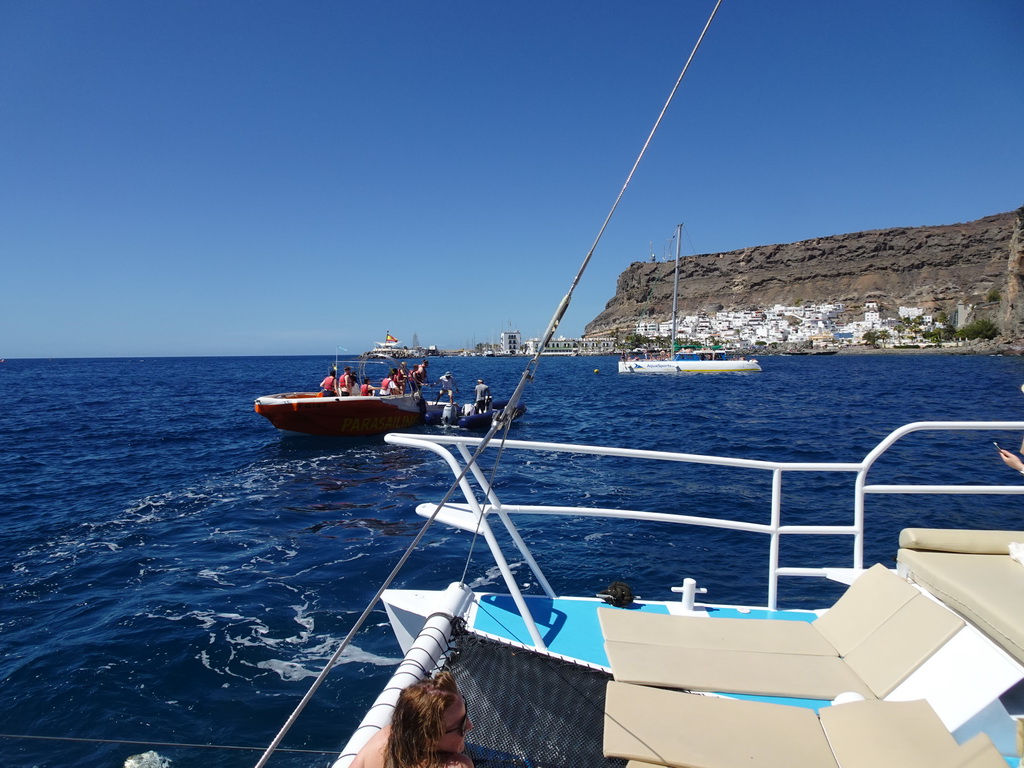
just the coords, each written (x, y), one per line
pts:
(571, 629)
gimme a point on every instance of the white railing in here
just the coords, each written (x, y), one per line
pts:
(473, 514)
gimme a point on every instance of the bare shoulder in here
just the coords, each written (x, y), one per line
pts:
(372, 753)
(456, 760)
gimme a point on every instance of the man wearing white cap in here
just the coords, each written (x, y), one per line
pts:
(446, 384)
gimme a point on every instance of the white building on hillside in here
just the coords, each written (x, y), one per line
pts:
(872, 317)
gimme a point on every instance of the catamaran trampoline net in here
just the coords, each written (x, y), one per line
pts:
(529, 710)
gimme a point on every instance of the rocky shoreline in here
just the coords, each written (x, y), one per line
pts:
(937, 268)
(987, 348)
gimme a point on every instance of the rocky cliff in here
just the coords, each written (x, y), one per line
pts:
(931, 267)
(1012, 308)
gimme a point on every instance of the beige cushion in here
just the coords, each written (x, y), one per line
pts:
(987, 589)
(679, 729)
(955, 540)
(978, 752)
(879, 734)
(706, 669)
(872, 669)
(902, 644)
(768, 635)
(874, 597)
(654, 727)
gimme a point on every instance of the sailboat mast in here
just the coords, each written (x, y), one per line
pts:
(675, 288)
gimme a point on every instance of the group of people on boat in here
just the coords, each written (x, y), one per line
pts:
(399, 381)
(334, 385)
(481, 392)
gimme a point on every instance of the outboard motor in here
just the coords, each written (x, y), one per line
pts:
(467, 409)
(450, 415)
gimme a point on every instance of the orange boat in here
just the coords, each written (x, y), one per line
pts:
(344, 415)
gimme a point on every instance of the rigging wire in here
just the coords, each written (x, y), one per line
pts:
(176, 744)
(500, 421)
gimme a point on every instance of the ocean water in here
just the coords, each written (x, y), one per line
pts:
(175, 572)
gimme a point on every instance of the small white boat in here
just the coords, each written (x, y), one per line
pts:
(687, 358)
(691, 361)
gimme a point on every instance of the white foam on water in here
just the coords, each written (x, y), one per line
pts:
(288, 670)
(493, 575)
(149, 759)
(214, 574)
(292, 671)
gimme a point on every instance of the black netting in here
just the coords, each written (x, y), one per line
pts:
(529, 710)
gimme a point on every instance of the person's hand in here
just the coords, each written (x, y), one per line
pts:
(1011, 460)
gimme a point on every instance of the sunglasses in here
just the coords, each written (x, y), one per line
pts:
(461, 727)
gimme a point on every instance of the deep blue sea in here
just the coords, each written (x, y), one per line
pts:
(174, 571)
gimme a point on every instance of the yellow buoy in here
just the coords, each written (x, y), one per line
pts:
(597, 371)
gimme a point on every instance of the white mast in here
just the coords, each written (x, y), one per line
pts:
(675, 288)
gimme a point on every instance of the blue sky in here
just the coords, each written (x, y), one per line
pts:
(246, 178)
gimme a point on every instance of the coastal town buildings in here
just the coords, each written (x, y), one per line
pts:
(802, 324)
(805, 324)
(826, 325)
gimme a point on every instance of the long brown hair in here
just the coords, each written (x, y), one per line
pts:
(418, 722)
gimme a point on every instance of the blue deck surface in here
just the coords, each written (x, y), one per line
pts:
(760, 613)
(570, 628)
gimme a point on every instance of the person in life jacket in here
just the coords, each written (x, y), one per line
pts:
(349, 384)
(419, 376)
(327, 386)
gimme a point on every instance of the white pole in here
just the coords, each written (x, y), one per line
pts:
(675, 289)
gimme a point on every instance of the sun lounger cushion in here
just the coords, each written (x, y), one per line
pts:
(902, 644)
(873, 669)
(978, 752)
(988, 589)
(678, 729)
(708, 669)
(765, 635)
(869, 602)
(872, 734)
(965, 542)
(667, 728)
(874, 597)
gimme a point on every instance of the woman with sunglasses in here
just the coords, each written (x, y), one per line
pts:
(428, 729)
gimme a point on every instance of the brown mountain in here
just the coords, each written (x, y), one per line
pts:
(931, 267)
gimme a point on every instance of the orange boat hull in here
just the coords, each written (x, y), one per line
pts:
(307, 414)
